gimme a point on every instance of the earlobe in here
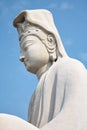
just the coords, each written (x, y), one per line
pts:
(53, 56)
(51, 47)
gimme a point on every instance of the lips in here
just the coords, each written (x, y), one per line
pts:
(26, 61)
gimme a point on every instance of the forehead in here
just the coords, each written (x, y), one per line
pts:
(25, 26)
(28, 31)
(28, 40)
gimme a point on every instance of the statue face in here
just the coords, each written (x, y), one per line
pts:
(33, 53)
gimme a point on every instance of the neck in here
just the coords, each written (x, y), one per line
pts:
(43, 69)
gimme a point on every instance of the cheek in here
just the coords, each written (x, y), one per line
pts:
(38, 54)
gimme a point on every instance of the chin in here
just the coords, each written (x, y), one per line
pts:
(32, 70)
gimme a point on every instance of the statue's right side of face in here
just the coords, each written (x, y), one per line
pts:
(33, 53)
(37, 47)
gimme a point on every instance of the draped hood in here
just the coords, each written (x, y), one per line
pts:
(43, 18)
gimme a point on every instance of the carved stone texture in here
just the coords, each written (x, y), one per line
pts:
(60, 99)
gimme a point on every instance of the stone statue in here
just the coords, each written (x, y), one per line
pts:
(60, 99)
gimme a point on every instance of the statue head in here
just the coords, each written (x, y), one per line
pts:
(39, 25)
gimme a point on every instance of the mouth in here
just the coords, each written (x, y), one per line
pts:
(26, 61)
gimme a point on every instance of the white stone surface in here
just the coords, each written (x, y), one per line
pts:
(9, 122)
(60, 99)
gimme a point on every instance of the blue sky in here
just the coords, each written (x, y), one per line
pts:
(16, 84)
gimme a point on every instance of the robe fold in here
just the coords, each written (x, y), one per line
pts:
(61, 96)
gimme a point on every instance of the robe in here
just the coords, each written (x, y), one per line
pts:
(60, 99)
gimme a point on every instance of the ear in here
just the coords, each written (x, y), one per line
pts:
(53, 56)
(51, 47)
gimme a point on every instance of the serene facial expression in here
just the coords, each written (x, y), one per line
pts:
(33, 53)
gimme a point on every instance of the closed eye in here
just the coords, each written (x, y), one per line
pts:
(26, 45)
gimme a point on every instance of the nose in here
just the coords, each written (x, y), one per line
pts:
(22, 58)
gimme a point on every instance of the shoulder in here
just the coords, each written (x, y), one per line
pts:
(69, 63)
(69, 67)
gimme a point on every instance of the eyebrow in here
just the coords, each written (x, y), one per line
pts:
(22, 45)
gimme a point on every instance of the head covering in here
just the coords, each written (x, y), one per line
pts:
(44, 19)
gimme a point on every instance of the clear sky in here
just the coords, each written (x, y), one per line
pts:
(16, 84)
